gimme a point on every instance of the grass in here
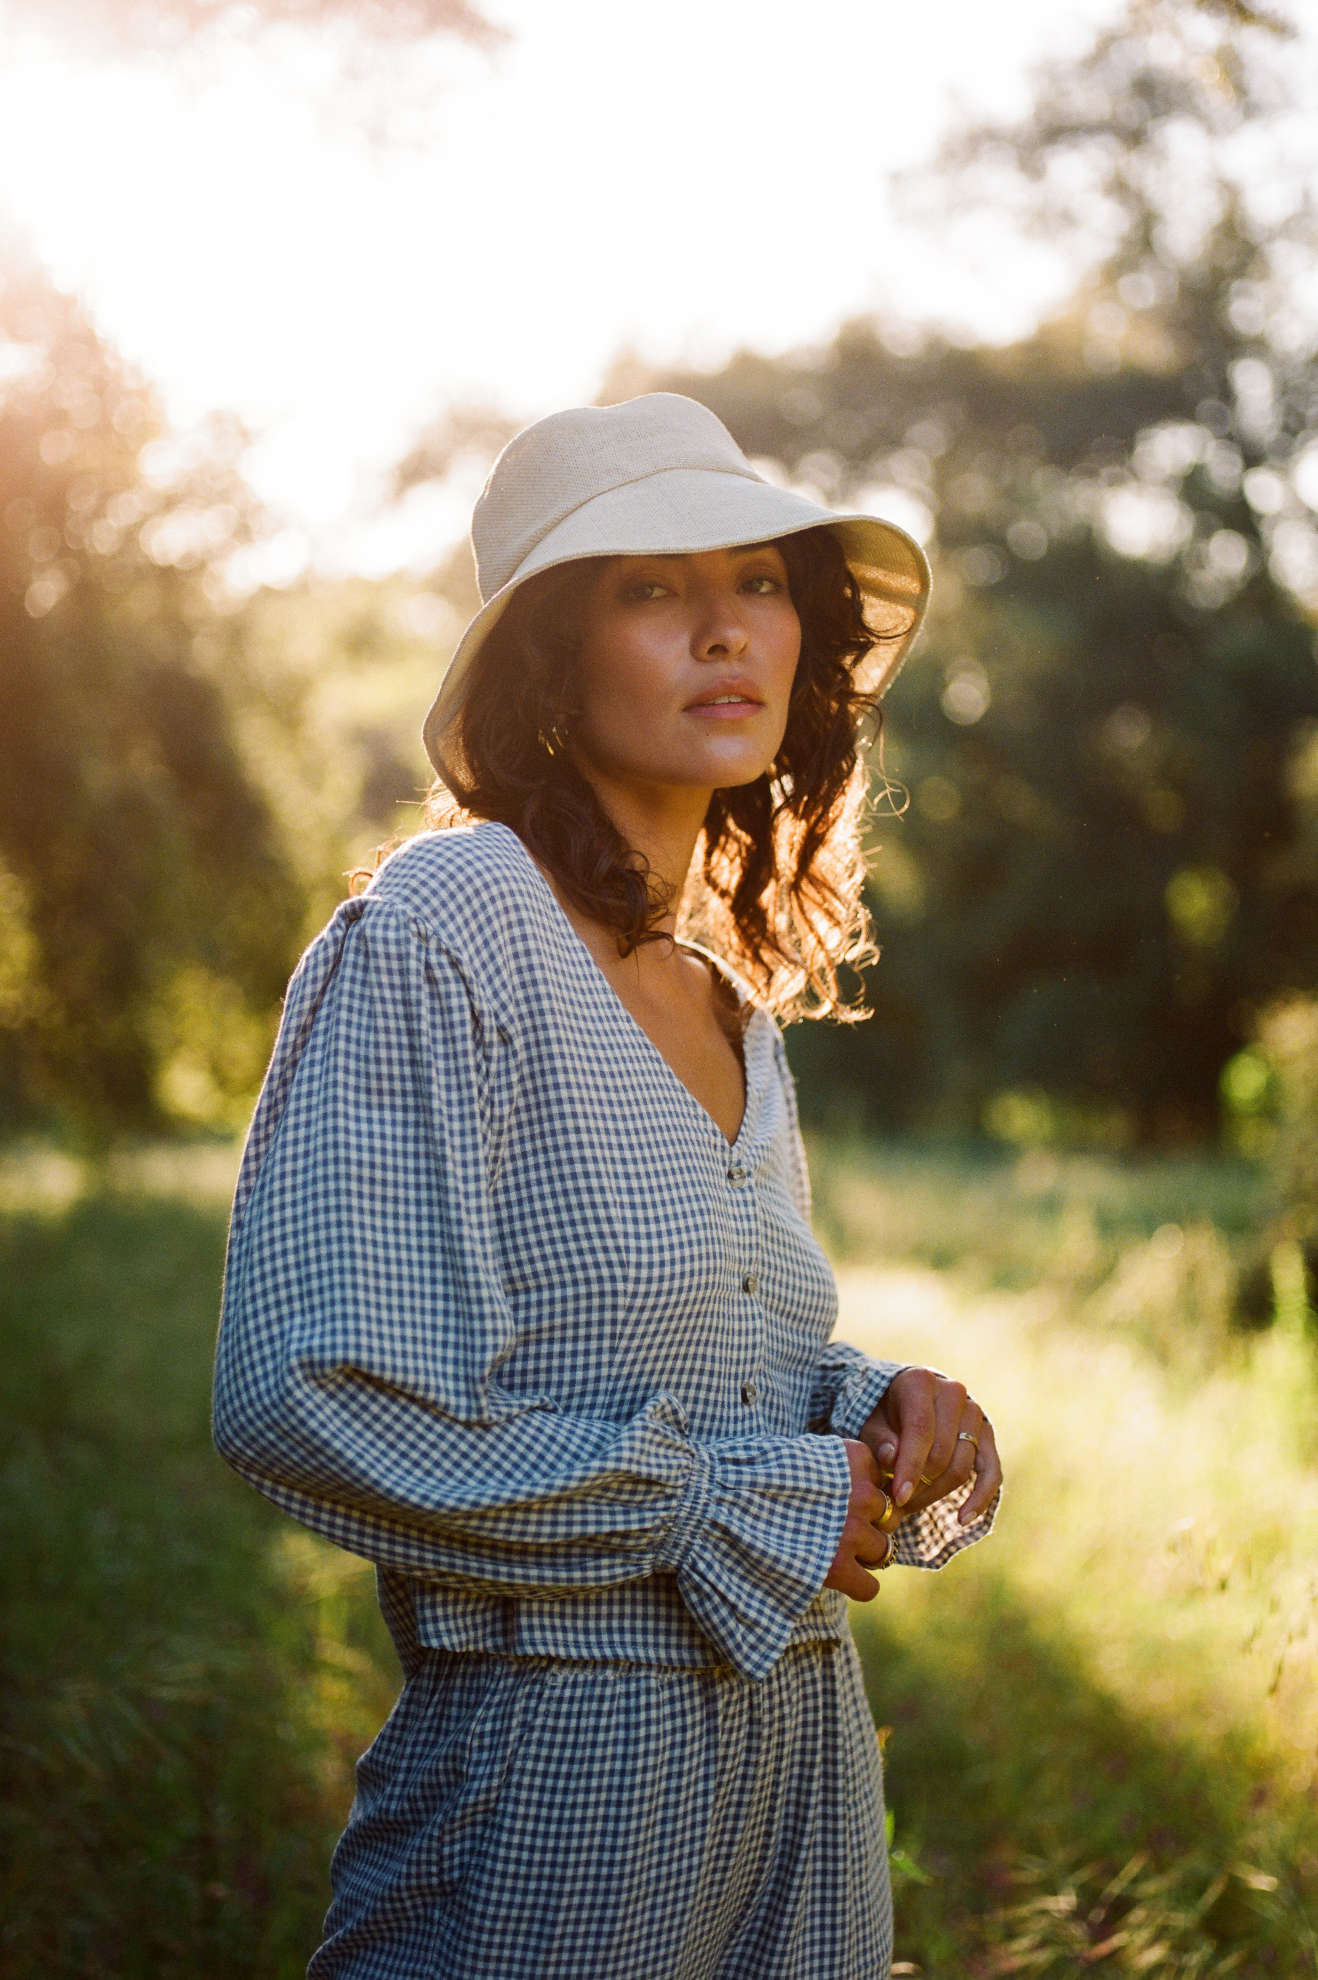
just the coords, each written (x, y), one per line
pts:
(1016, 1222)
(185, 1681)
(1103, 1723)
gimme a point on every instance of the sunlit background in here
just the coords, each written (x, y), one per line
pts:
(245, 230)
(276, 281)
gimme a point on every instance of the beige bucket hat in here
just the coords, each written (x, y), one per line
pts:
(657, 474)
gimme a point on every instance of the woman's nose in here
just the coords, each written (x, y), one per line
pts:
(720, 631)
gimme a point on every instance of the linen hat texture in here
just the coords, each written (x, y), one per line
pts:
(659, 474)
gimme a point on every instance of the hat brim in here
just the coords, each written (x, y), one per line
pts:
(684, 511)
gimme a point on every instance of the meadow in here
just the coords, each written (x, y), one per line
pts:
(1100, 1728)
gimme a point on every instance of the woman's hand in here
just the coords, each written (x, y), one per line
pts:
(871, 1519)
(930, 1436)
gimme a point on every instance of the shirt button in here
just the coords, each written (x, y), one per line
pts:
(736, 1175)
(749, 1392)
(751, 1282)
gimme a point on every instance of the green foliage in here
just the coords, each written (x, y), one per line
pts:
(341, 672)
(1288, 1044)
(1108, 863)
(138, 857)
(1271, 1092)
(186, 775)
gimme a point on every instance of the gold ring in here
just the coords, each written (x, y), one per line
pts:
(891, 1554)
(890, 1507)
(964, 1437)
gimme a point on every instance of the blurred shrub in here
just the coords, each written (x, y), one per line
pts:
(1271, 1091)
(1288, 1039)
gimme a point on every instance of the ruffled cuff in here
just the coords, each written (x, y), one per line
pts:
(754, 1536)
(930, 1538)
(862, 1389)
(927, 1539)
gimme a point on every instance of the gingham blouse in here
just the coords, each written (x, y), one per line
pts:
(507, 1314)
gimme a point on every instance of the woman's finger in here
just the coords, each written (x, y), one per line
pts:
(851, 1567)
(988, 1479)
(913, 1411)
(964, 1461)
(962, 1465)
(951, 1415)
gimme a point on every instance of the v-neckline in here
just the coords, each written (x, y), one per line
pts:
(691, 948)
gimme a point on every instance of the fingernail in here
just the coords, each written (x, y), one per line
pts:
(903, 1492)
(886, 1453)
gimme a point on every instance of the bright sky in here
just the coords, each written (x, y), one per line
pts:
(684, 180)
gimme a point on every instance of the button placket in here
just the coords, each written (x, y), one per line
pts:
(750, 1392)
(739, 1175)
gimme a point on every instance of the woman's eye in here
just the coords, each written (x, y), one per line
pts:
(763, 584)
(642, 589)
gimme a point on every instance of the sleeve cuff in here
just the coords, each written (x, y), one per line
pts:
(754, 1536)
(929, 1539)
(865, 1385)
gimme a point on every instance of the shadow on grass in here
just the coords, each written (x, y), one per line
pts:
(1022, 1789)
(173, 1787)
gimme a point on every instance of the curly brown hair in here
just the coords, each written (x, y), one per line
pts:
(779, 871)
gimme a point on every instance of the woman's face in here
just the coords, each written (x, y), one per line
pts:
(685, 669)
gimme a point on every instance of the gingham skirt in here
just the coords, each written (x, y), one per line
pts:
(594, 1821)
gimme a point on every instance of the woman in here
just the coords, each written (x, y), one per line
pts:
(522, 1302)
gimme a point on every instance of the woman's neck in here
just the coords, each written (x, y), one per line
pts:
(663, 827)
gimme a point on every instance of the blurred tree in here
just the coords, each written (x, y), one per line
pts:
(150, 909)
(1103, 872)
(338, 673)
(158, 25)
(456, 438)
(369, 69)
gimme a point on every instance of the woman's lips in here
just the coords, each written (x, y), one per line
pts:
(730, 710)
(731, 699)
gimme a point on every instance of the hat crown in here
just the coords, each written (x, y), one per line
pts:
(552, 468)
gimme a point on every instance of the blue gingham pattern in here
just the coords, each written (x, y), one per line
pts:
(530, 1816)
(506, 1314)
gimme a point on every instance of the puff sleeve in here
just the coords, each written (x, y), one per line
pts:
(365, 1331)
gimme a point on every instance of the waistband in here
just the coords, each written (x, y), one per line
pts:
(644, 1622)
